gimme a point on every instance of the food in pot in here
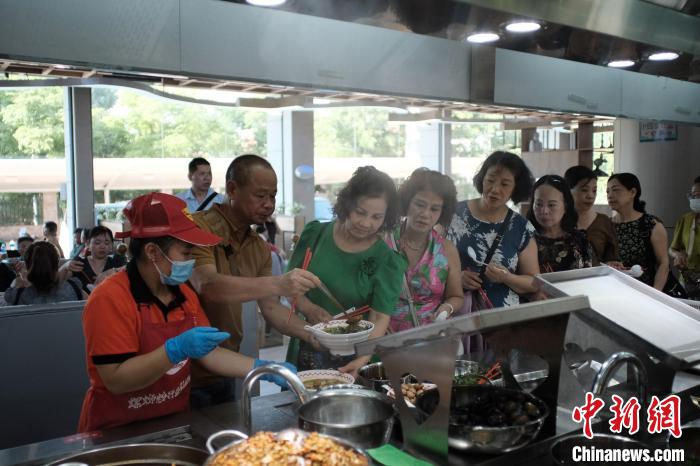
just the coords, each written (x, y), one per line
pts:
(412, 390)
(345, 328)
(476, 374)
(315, 384)
(265, 449)
(495, 410)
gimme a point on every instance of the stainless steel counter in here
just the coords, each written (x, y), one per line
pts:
(272, 412)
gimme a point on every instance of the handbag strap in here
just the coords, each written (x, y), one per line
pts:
(406, 289)
(206, 202)
(496, 243)
(691, 239)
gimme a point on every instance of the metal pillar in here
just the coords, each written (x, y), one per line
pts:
(290, 144)
(78, 142)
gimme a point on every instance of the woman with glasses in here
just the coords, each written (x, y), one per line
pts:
(642, 237)
(560, 246)
(477, 223)
(598, 227)
(685, 247)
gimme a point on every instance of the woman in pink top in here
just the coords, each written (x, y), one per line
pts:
(432, 283)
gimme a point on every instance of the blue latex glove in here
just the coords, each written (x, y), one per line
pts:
(275, 379)
(195, 343)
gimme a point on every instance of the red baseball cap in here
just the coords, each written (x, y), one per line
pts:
(158, 214)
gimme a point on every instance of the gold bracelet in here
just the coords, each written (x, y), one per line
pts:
(452, 308)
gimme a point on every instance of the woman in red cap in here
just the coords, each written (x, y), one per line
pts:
(143, 325)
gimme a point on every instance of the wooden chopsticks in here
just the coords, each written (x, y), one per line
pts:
(355, 313)
(305, 265)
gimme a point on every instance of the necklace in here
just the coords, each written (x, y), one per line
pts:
(411, 246)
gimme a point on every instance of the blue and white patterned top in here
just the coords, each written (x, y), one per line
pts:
(466, 230)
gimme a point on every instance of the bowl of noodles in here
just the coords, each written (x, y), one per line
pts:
(317, 379)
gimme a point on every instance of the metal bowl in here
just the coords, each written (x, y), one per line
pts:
(145, 453)
(373, 376)
(562, 448)
(362, 416)
(484, 438)
(293, 435)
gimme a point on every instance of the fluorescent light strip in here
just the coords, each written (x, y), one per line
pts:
(483, 37)
(663, 56)
(621, 63)
(523, 26)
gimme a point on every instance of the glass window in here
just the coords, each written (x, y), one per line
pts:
(142, 143)
(472, 143)
(32, 163)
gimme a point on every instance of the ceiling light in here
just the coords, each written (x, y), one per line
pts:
(523, 26)
(483, 37)
(266, 2)
(663, 56)
(61, 67)
(620, 63)
(557, 122)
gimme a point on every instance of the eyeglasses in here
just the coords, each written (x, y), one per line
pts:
(692, 195)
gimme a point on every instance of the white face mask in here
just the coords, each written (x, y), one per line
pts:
(695, 205)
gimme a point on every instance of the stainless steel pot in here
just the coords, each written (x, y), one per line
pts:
(362, 416)
(482, 438)
(359, 415)
(145, 453)
(293, 435)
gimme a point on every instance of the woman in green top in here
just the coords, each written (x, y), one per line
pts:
(352, 260)
(685, 247)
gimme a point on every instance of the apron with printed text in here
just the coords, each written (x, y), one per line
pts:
(169, 394)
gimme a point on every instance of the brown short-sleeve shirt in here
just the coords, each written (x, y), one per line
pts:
(240, 253)
(601, 235)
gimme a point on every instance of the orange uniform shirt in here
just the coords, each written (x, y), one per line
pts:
(112, 324)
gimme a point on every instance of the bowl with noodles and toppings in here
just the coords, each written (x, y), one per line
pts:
(340, 336)
(320, 378)
(289, 446)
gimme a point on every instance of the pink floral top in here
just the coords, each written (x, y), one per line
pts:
(426, 282)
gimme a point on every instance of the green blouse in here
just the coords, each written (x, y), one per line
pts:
(681, 239)
(372, 277)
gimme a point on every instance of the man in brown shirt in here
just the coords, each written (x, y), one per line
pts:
(238, 269)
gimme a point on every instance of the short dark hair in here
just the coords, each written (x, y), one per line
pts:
(22, 239)
(574, 175)
(100, 230)
(78, 231)
(196, 162)
(137, 245)
(51, 226)
(42, 265)
(239, 170)
(369, 182)
(424, 179)
(697, 180)
(570, 219)
(521, 174)
(629, 181)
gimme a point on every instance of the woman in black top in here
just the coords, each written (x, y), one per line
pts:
(97, 263)
(560, 246)
(641, 237)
